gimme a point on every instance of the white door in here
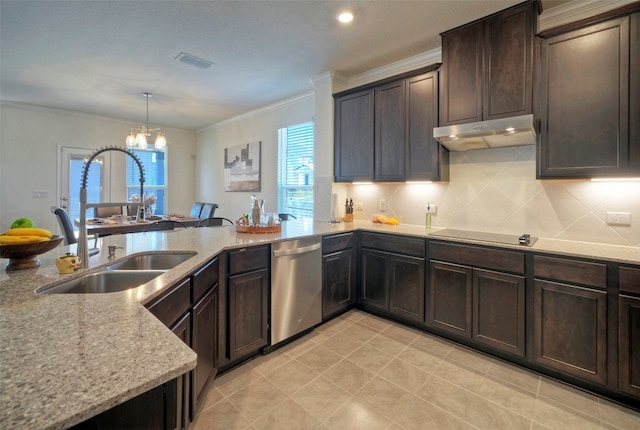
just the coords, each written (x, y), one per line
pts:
(71, 163)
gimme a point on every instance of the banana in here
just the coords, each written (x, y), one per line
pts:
(28, 231)
(6, 239)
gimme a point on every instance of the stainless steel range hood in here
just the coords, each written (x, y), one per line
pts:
(496, 133)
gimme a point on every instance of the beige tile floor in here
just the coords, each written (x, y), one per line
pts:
(362, 372)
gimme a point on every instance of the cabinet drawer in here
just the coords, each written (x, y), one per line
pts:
(246, 259)
(508, 261)
(630, 280)
(337, 242)
(205, 278)
(393, 243)
(173, 304)
(574, 271)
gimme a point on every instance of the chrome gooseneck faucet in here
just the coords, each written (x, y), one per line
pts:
(82, 237)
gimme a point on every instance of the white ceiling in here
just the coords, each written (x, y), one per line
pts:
(99, 56)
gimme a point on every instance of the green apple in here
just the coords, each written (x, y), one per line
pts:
(23, 223)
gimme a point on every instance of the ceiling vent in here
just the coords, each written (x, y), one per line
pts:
(185, 58)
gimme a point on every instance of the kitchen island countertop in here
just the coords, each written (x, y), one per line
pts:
(67, 357)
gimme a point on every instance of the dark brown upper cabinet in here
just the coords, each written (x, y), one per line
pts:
(384, 131)
(353, 141)
(590, 98)
(487, 67)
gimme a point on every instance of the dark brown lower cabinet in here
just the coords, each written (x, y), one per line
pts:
(182, 329)
(629, 344)
(499, 311)
(205, 344)
(153, 410)
(570, 329)
(450, 298)
(248, 313)
(338, 282)
(393, 283)
(483, 305)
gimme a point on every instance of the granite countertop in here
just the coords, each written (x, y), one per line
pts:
(67, 357)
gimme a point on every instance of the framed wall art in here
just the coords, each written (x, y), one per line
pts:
(242, 167)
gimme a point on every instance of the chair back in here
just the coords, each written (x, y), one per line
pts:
(214, 222)
(196, 209)
(208, 210)
(164, 225)
(65, 225)
(132, 210)
(286, 217)
(107, 211)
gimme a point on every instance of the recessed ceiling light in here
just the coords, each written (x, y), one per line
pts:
(345, 17)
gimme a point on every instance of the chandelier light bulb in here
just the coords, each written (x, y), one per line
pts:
(161, 141)
(131, 139)
(141, 140)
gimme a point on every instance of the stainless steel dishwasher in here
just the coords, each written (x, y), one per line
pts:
(296, 287)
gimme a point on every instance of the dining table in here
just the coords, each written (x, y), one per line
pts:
(125, 224)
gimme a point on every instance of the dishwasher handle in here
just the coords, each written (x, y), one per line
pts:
(296, 251)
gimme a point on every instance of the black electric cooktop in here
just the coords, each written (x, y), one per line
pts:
(508, 239)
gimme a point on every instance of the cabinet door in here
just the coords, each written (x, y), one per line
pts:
(248, 319)
(498, 311)
(634, 91)
(508, 54)
(338, 286)
(450, 298)
(426, 159)
(570, 329)
(182, 329)
(204, 343)
(406, 287)
(585, 102)
(375, 291)
(461, 79)
(354, 140)
(629, 341)
(390, 121)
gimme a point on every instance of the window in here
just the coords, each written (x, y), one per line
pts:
(295, 170)
(154, 163)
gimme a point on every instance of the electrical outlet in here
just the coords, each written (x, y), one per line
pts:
(383, 205)
(432, 209)
(359, 206)
(619, 218)
(40, 194)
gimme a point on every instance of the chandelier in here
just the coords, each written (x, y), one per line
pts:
(138, 137)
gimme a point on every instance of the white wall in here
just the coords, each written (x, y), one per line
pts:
(29, 141)
(261, 125)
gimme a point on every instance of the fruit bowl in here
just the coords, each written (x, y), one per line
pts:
(25, 255)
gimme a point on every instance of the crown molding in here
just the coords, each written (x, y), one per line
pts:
(406, 65)
(577, 10)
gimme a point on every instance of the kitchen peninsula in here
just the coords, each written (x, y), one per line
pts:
(68, 357)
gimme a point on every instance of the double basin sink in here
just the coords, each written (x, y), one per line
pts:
(123, 275)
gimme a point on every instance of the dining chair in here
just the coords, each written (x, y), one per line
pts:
(286, 217)
(107, 211)
(214, 222)
(208, 210)
(67, 229)
(65, 225)
(196, 209)
(164, 225)
(132, 210)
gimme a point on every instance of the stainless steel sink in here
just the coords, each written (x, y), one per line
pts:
(123, 275)
(106, 281)
(152, 261)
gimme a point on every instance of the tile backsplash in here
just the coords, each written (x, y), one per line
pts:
(496, 190)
